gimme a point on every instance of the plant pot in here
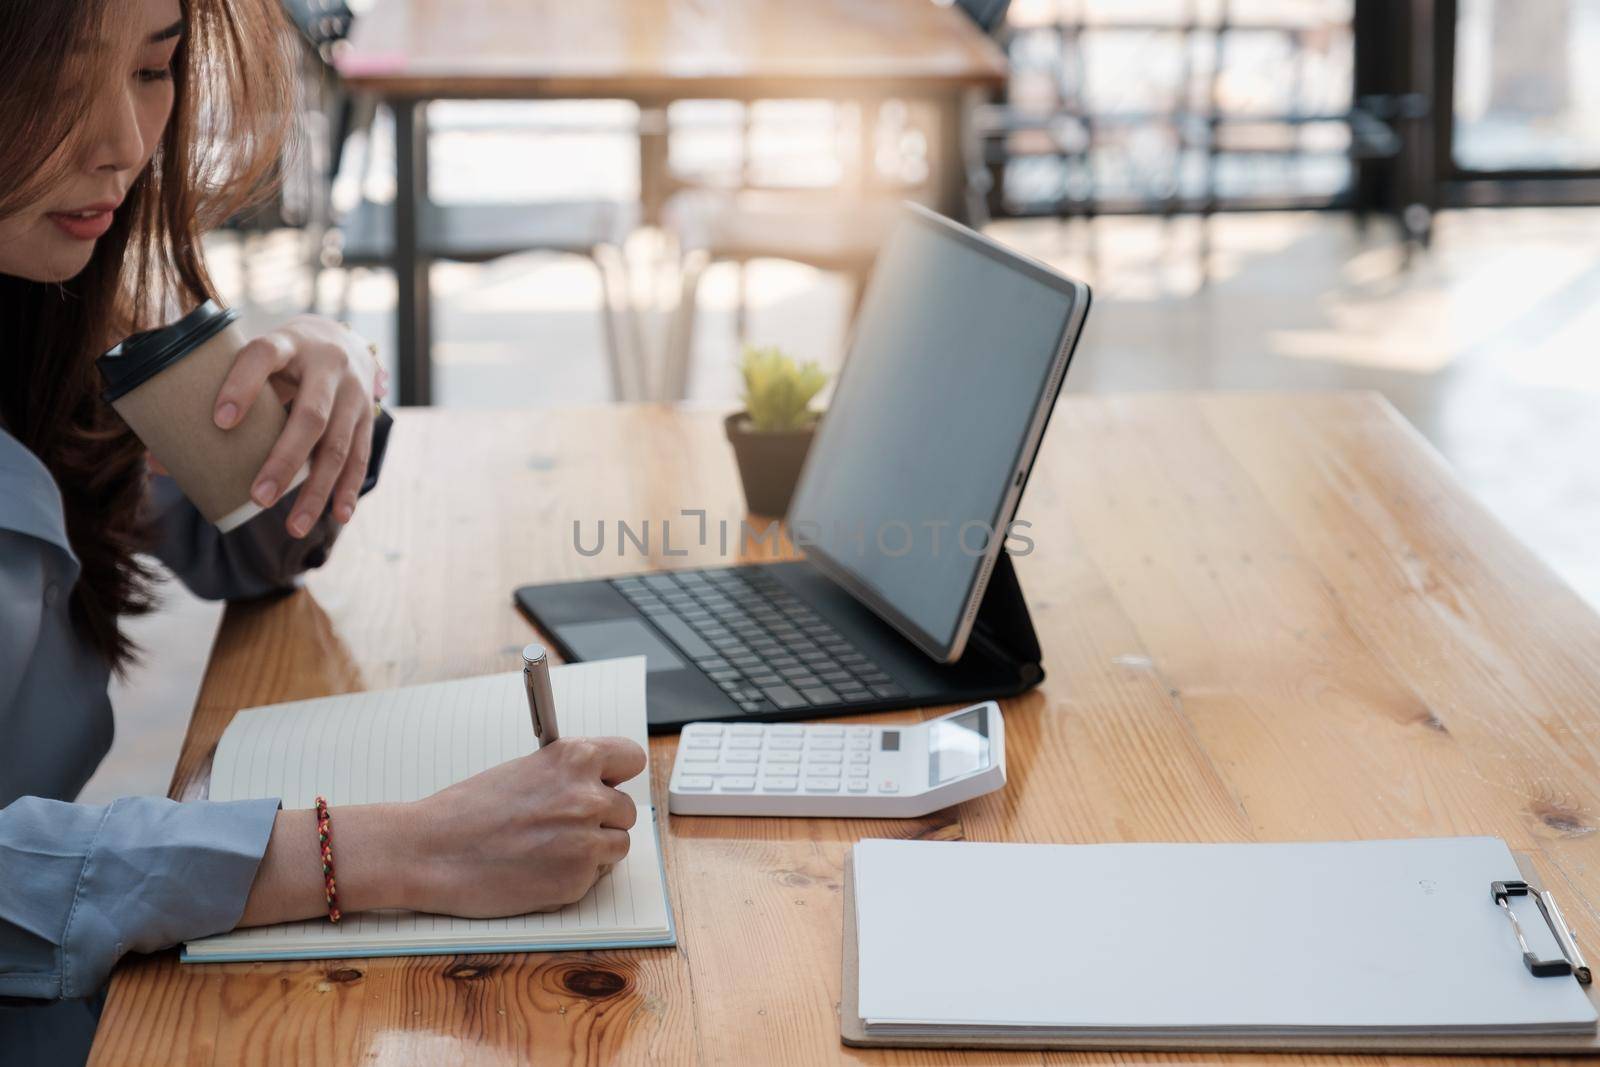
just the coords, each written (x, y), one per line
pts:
(769, 463)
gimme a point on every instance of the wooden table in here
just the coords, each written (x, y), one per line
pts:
(1264, 618)
(651, 52)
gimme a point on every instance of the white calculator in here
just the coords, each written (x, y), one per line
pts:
(820, 769)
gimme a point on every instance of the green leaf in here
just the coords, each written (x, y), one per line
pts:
(777, 390)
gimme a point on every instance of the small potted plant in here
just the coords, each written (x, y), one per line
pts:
(771, 435)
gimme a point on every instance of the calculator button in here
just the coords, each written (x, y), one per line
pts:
(860, 731)
(860, 743)
(888, 785)
(822, 785)
(861, 757)
(825, 757)
(780, 785)
(694, 783)
(827, 731)
(742, 755)
(701, 755)
(791, 730)
(698, 729)
(737, 785)
(750, 730)
(783, 757)
(823, 770)
(858, 770)
(784, 743)
(826, 743)
(857, 785)
(744, 742)
(704, 741)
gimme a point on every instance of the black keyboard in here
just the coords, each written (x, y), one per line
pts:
(760, 643)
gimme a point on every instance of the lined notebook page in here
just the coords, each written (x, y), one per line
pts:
(404, 744)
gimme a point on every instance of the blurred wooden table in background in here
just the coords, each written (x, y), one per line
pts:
(652, 52)
(1264, 617)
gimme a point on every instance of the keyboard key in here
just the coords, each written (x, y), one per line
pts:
(679, 633)
(781, 785)
(854, 695)
(730, 685)
(726, 675)
(712, 663)
(820, 694)
(837, 678)
(802, 681)
(821, 785)
(660, 582)
(888, 692)
(856, 785)
(736, 785)
(784, 697)
(695, 783)
(874, 677)
(754, 706)
(765, 678)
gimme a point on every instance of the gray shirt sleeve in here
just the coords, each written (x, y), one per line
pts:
(252, 560)
(84, 884)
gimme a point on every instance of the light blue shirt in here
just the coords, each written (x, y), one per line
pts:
(81, 884)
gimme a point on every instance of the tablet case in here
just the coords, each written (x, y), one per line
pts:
(853, 1031)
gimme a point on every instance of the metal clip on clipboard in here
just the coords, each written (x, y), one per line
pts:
(1572, 960)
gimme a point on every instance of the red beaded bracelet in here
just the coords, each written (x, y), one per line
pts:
(325, 839)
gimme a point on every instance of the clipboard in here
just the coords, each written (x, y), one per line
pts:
(852, 1030)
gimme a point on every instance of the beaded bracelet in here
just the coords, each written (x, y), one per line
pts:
(325, 840)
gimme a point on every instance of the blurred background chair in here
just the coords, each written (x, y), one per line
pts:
(363, 236)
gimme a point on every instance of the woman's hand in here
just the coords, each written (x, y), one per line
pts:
(532, 834)
(326, 372)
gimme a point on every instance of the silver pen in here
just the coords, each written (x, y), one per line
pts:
(541, 701)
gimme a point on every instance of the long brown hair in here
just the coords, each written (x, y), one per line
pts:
(233, 105)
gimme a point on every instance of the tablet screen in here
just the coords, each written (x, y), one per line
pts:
(954, 347)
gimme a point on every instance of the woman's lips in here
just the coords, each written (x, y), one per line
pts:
(84, 225)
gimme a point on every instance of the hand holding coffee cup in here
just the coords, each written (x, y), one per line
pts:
(327, 375)
(193, 392)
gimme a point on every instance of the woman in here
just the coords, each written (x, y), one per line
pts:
(126, 127)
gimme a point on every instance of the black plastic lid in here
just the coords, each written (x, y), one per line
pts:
(144, 355)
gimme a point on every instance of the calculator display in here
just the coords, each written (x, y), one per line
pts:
(958, 745)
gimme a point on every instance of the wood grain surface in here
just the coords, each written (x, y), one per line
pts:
(666, 49)
(1265, 617)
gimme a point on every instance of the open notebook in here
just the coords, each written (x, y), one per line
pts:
(403, 744)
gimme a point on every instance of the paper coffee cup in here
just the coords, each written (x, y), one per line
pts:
(164, 384)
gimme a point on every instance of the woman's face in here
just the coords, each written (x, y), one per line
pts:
(52, 240)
